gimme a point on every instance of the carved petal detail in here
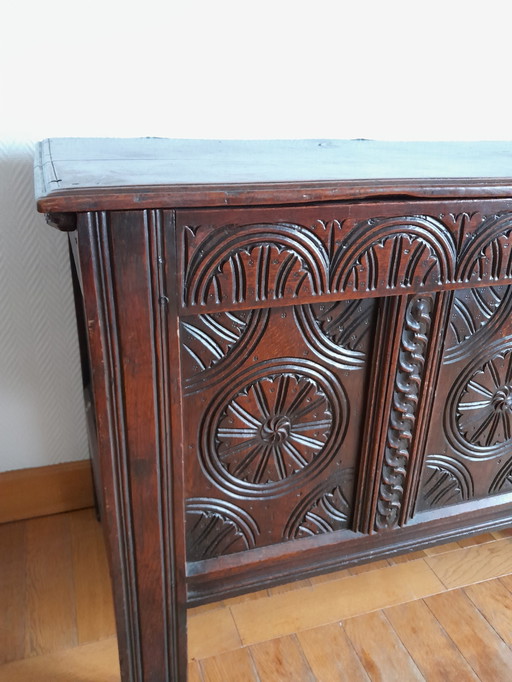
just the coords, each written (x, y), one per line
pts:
(214, 343)
(327, 509)
(473, 311)
(446, 482)
(340, 331)
(503, 479)
(215, 527)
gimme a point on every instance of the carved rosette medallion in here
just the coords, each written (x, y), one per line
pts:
(280, 425)
(273, 428)
(481, 419)
(411, 360)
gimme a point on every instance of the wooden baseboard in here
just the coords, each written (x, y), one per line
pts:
(41, 491)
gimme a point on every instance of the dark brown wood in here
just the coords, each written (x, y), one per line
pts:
(284, 389)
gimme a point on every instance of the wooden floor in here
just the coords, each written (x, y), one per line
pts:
(443, 614)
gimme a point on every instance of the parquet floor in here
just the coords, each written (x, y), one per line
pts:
(442, 614)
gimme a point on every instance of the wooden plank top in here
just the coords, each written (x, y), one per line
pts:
(77, 174)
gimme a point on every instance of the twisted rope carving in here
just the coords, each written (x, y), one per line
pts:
(408, 377)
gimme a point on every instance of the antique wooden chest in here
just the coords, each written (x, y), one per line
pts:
(301, 359)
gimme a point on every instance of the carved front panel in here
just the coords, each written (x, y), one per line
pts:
(469, 449)
(273, 417)
(258, 257)
(335, 374)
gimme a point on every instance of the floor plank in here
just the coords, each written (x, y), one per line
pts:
(95, 662)
(50, 615)
(432, 650)
(327, 577)
(441, 549)
(12, 591)
(93, 592)
(506, 580)
(332, 601)
(250, 596)
(289, 587)
(404, 558)
(472, 540)
(55, 593)
(233, 666)
(494, 602)
(281, 660)
(488, 655)
(330, 655)
(473, 564)
(380, 650)
(371, 566)
(194, 673)
(211, 633)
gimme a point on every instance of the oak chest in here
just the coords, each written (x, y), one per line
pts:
(301, 359)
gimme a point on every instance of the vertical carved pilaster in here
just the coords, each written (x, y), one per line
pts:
(407, 357)
(440, 315)
(404, 407)
(390, 318)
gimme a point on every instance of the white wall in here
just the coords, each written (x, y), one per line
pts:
(266, 69)
(41, 408)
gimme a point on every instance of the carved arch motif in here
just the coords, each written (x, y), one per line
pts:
(487, 255)
(394, 252)
(261, 261)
